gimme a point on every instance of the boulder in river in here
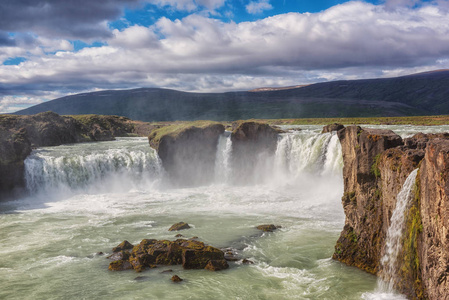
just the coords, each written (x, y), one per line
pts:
(191, 254)
(179, 226)
(268, 228)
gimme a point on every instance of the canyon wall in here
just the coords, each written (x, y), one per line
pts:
(376, 165)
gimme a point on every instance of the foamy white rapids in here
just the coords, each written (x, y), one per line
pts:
(87, 198)
(92, 167)
(302, 152)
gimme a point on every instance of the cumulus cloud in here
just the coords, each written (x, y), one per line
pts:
(257, 7)
(82, 19)
(197, 53)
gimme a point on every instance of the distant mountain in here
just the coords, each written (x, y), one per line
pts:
(417, 94)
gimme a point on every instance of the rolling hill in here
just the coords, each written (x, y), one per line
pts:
(412, 95)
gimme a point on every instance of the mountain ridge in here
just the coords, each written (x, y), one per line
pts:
(411, 95)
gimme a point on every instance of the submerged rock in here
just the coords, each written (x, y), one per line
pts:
(179, 226)
(268, 228)
(176, 278)
(192, 254)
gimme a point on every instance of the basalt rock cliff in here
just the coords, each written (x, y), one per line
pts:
(188, 150)
(20, 134)
(376, 165)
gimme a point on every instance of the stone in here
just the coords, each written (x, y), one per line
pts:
(268, 228)
(247, 262)
(120, 265)
(125, 245)
(217, 265)
(176, 278)
(332, 127)
(179, 226)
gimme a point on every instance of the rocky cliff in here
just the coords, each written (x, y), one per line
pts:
(376, 165)
(188, 151)
(19, 134)
(252, 144)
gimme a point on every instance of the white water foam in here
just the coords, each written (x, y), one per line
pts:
(223, 158)
(73, 168)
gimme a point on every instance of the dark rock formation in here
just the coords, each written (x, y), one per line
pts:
(376, 165)
(179, 226)
(149, 253)
(176, 278)
(332, 127)
(268, 228)
(252, 144)
(188, 151)
(19, 134)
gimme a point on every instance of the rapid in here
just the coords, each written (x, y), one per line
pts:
(87, 198)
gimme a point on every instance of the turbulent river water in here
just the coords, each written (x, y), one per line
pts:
(87, 198)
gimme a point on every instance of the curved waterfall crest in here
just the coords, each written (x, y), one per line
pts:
(132, 164)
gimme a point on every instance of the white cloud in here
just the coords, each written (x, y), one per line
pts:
(257, 7)
(197, 53)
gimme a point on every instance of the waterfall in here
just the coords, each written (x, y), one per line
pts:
(308, 153)
(78, 167)
(394, 235)
(223, 158)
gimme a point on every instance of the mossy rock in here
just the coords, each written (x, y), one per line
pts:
(192, 254)
(179, 226)
(217, 265)
(120, 265)
(125, 245)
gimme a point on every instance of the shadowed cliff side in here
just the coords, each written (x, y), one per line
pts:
(19, 134)
(376, 165)
(188, 151)
(253, 144)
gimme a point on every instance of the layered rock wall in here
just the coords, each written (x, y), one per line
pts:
(376, 165)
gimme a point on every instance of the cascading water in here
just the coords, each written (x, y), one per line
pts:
(395, 233)
(94, 168)
(223, 158)
(388, 274)
(300, 153)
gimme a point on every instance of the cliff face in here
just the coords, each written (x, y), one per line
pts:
(19, 134)
(376, 165)
(252, 144)
(434, 209)
(188, 151)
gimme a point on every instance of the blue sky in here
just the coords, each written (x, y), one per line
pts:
(50, 48)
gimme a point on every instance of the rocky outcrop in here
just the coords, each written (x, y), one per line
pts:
(433, 247)
(376, 165)
(252, 144)
(332, 127)
(188, 151)
(19, 134)
(191, 254)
